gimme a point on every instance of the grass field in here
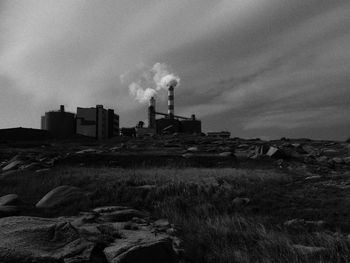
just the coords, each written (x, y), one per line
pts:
(200, 203)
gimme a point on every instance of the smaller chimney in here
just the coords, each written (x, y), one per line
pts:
(193, 117)
(62, 108)
(152, 113)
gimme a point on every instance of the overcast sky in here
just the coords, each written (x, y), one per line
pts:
(258, 68)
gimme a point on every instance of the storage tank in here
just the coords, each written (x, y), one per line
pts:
(60, 124)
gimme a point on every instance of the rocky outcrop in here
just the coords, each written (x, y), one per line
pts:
(90, 237)
(62, 195)
(33, 239)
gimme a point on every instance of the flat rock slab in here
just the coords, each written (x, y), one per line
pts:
(33, 239)
(62, 195)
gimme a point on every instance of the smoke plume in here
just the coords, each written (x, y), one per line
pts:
(153, 80)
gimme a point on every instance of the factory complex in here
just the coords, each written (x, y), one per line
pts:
(100, 123)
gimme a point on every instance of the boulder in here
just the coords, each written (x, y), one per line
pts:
(10, 199)
(87, 238)
(90, 150)
(275, 152)
(62, 195)
(34, 239)
(12, 165)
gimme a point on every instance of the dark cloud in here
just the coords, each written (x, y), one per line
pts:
(258, 68)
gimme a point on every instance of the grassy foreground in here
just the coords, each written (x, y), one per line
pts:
(200, 203)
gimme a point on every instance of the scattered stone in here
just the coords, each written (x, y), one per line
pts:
(62, 195)
(193, 149)
(313, 177)
(10, 199)
(226, 154)
(347, 160)
(90, 150)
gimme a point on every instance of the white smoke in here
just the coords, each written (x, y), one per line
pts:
(162, 76)
(140, 94)
(153, 80)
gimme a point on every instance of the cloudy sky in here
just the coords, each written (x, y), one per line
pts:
(258, 68)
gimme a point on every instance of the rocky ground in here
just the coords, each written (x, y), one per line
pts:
(313, 197)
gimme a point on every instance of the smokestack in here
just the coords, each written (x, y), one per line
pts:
(62, 108)
(152, 113)
(171, 101)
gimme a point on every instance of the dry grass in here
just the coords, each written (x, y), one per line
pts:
(199, 202)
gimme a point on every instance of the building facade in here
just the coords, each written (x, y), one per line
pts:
(97, 122)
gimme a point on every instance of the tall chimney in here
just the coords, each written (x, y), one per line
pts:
(171, 102)
(62, 108)
(152, 113)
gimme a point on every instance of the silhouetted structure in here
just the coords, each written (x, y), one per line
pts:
(171, 123)
(97, 122)
(60, 124)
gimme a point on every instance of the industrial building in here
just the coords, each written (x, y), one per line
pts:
(97, 122)
(60, 124)
(171, 123)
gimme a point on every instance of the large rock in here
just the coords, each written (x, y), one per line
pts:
(33, 239)
(63, 195)
(12, 165)
(10, 199)
(275, 152)
(87, 238)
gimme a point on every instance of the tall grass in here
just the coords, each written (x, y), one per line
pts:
(199, 203)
